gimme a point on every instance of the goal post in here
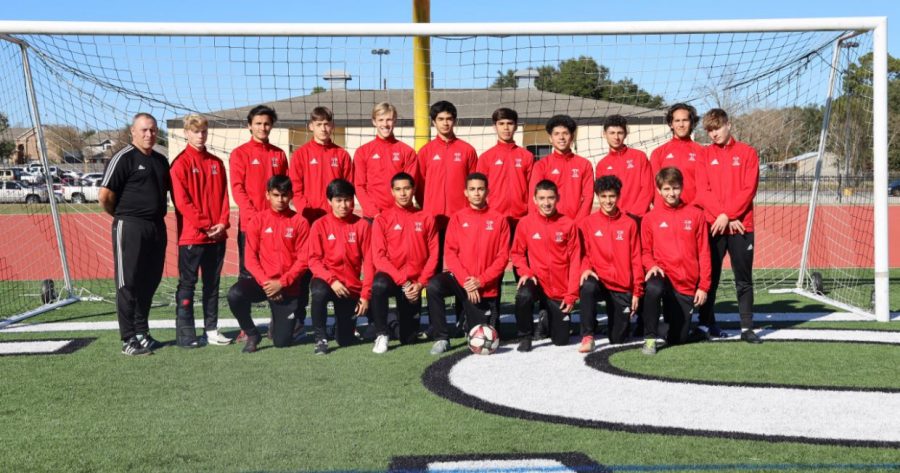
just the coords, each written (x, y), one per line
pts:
(815, 108)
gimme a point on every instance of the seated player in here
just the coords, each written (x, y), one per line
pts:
(675, 249)
(476, 254)
(339, 250)
(276, 259)
(404, 252)
(611, 267)
(547, 254)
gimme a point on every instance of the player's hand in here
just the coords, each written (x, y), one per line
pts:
(340, 289)
(566, 308)
(699, 298)
(525, 279)
(472, 284)
(587, 274)
(635, 300)
(719, 225)
(654, 271)
(362, 305)
(736, 227)
(413, 291)
(474, 296)
(272, 287)
(216, 232)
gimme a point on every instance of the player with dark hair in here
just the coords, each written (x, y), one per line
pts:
(277, 260)
(572, 174)
(405, 253)
(339, 250)
(315, 164)
(476, 255)
(376, 162)
(611, 268)
(681, 151)
(630, 165)
(546, 252)
(133, 191)
(202, 213)
(675, 251)
(726, 186)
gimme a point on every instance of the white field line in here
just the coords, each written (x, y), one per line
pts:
(35, 347)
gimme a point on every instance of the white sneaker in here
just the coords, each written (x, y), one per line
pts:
(213, 337)
(439, 347)
(381, 344)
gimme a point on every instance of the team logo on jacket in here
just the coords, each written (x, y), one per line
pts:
(289, 232)
(334, 161)
(489, 225)
(518, 162)
(351, 237)
(274, 161)
(214, 169)
(620, 235)
(692, 157)
(313, 161)
(396, 156)
(457, 158)
(575, 173)
(558, 237)
(687, 224)
(629, 164)
(735, 160)
(375, 156)
(419, 226)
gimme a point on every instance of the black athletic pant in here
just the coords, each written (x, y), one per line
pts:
(344, 311)
(740, 249)
(678, 309)
(443, 285)
(139, 250)
(616, 302)
(383, 288)
(526, 296)
(513, 223)
(285, 312)
(242, 242)
(207, 260)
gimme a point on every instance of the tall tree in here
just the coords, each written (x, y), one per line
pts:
(505, 80)
(7, 147)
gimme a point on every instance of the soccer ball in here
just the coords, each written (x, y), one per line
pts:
(483, 339)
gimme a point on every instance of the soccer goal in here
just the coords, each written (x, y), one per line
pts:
(809, 94)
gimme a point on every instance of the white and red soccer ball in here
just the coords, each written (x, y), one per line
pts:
(483, 339)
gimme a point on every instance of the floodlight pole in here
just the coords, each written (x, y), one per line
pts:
(381, 52)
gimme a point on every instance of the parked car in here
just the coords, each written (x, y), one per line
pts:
(31, 177)
(894, 188)
(92, 176)
(85, 192)
(15, 192)
(10, 174)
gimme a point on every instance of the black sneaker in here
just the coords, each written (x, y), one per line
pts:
(251, 346)
(321, 347)
(525, 345)
(543, 325)
(146, 341)
(132, 347)
(716, 332)
(191, 344)
(750, 337)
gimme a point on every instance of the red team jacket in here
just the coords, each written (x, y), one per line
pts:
(508, 168)
(727, 182)
(574, 177)
(477, 244)
(313, 167)
(443, 166)
(633, 169)
(612, 249)
(548, 248)
(405, 245)
(687, 156)
(200, 195)
(677, 240)
(339, 249)
(251, 165)
(374, 164)
(277, 248)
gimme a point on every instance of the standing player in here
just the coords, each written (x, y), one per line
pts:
(251, 166)
(200, 195)
(629, 165)
(727, 183)
(405, 252)
(476, 255)
(339, 250)
(317, 163)
(572, 174)
(376, 162)
(133, 191)
(681, 151)
(611, 268)
(276, 258)
(675, 249)
(546, 252)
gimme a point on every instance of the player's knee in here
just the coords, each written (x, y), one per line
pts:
(380, 284)
(654, 289)
(235, 295)
(318, 289)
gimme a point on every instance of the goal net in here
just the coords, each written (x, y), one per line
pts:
(803, 98)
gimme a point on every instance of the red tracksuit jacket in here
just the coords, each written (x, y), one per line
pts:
(405, 245)
(477, 245)
(727, 181)
(573, 176)
(251, 165)
(374, 164)
(444, 166)
(200, 194)
(508, 168)
(339, 250)
(276, 247)
(677, 240)
(548, 248)
(313, 167)
(612, 249)
(686, 155)
(632, 167)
